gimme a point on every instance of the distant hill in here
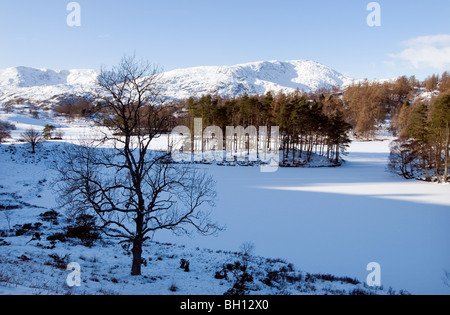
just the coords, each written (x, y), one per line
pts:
(48, 87)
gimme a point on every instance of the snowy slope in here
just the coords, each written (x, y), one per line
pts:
(23, 77)
(41, 87)
(47, 87)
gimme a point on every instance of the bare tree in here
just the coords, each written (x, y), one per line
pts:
(7, 214)
(247, 250)
(8, 107)
(133, 190)
(4, 132)
(32, 137)
(403, 159)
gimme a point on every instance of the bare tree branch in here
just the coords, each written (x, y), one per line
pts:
(134, 191)
(32, 137)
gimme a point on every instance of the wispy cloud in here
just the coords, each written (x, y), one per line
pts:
(426, 52)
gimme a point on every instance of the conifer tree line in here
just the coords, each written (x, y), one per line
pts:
(419, 114)
(423, 144)
(307, 125)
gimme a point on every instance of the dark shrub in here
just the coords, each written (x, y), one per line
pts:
(27, 229)
(59, 262)
(221, 275)
(61, 237)
(84, 229)
(50, 216)
(361, 292)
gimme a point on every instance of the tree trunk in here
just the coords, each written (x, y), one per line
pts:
(293, 150)
(137, 257)
(438, 157)
(337, 153)
(137, 247)
(446, 154)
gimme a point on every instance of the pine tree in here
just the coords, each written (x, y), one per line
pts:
(338, 134)
(285, 120)
(418, 130)
(266, 109)
(47, 132)
(440, 128)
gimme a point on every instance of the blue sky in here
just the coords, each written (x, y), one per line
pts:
(413, 39)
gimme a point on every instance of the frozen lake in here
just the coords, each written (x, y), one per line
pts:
(338, 220)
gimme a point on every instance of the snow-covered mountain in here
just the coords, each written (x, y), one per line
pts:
(23, 77)
(48, 87)
(253, 78)
(43, 87)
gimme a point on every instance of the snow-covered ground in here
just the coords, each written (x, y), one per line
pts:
(322, 220)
